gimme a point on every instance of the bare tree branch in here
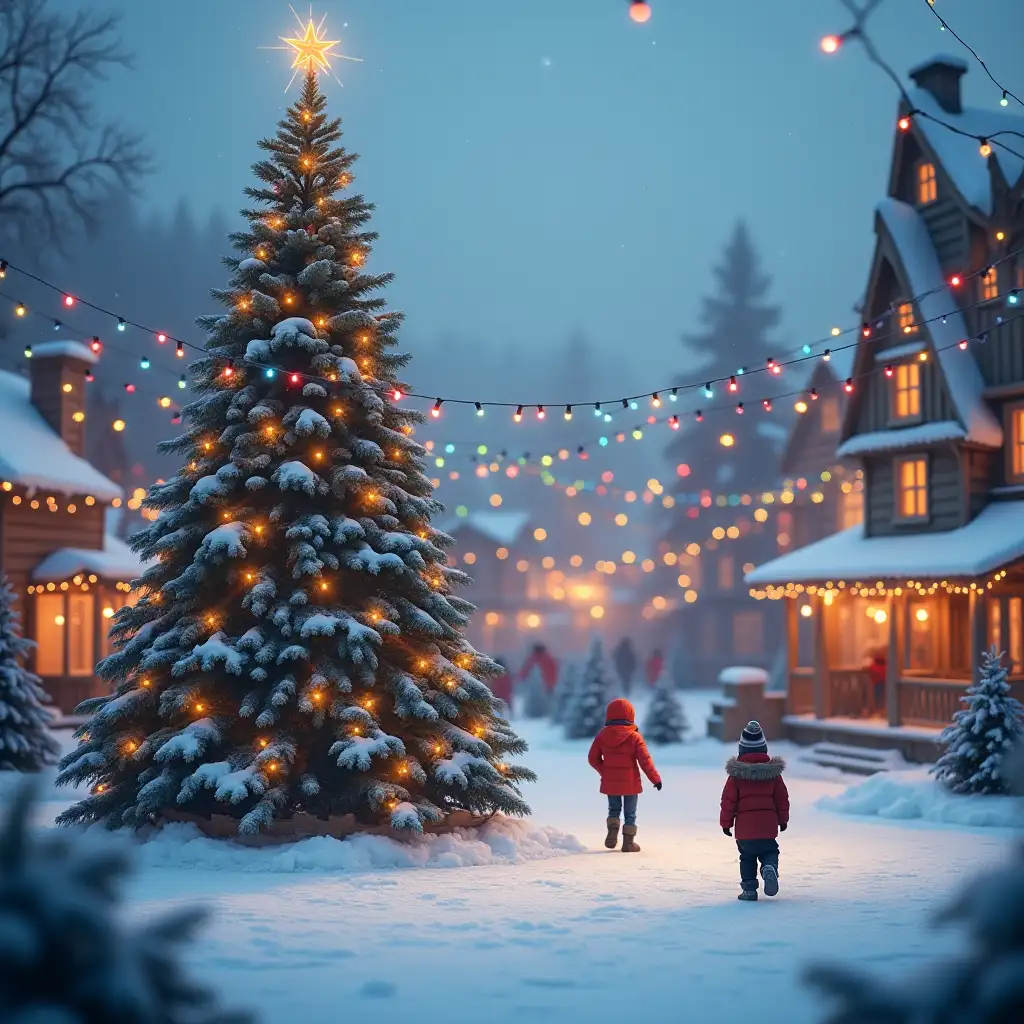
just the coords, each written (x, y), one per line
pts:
(57, 162)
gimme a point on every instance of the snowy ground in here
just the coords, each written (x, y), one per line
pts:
(530, 925)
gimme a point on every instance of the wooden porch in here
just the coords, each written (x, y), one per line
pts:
(925, 647)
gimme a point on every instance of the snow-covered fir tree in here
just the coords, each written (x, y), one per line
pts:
(299, 644)
(565, 692)
(585, 715)
(984, 984)
(26, 743)
(665, 721)
(536, 701)
(982, 732)
(65, 952)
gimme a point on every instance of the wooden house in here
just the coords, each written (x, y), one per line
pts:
(69, 574)
(935, 573)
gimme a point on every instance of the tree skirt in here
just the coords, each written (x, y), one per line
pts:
(305, 826)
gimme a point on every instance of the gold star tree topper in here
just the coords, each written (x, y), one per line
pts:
(312, 51)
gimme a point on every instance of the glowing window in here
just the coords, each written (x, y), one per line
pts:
(49, 634)
(1016, 630)
(726, 573)
(1016, 448)
(912, 488)
(989, 284)
(905, 317)
(851, 509)
(906, 391)
(81, 634)
(927, 186)
(830, 415)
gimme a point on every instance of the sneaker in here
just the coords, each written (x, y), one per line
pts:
(771, 879)
(748, 895)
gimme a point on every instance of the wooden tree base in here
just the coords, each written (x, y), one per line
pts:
(306, 826)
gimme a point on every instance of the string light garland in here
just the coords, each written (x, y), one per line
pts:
(832, 43)
(1006, 94)
(640, 11)
(774, 367)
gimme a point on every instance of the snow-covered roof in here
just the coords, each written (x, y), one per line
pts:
(116, 561)
(923, 273)
(994, 538)
(503, 528)
(74, 349)
(959, 155)
(903, 437)
(33, 455)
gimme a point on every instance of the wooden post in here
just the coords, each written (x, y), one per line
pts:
(792, 638)
(821, 666)
(979, 630)
(894, 660)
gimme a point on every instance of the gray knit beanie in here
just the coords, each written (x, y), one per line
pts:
(752, 740)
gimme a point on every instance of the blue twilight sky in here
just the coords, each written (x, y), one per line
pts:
(546, 166)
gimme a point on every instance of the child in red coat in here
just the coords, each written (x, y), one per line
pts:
(617, 754)
(756, 801)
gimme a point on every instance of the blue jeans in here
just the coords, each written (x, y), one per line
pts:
(615, 804)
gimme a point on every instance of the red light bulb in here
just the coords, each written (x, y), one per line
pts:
(640, 11)
(831, 43)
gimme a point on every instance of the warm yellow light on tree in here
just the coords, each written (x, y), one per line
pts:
(108, 612)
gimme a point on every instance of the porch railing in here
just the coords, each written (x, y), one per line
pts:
(850, 693)
(800, 697)
(930, 701)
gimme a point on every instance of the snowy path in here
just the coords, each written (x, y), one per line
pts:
(659, 935)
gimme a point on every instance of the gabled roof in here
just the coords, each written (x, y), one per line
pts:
(958, 154)
(918, 268)
(34, 456)
(992, 539)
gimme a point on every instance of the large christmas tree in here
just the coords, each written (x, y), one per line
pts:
(298, 644)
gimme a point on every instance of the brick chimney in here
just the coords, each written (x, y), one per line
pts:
(941, 77)
(57, 373)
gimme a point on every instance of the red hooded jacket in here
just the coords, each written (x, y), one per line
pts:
(548, 667)
(755, 798)
(619, 752)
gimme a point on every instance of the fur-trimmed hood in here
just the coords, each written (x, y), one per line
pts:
(755, 771)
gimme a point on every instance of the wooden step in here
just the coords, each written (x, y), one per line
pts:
(855, 760)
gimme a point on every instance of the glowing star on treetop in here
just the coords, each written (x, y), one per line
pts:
(312, 51)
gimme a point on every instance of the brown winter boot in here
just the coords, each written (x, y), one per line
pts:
(612, 839)
(629, 839)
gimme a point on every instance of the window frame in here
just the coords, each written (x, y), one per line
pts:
(1013, 423)
(989, 283)
(898, 463)
(927, 183)
(906, 318)
(910, 368)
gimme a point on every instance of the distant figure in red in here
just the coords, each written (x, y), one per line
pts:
(617, 755)
(654, 667)
(501, 686)
(541, 657)
(877, 670)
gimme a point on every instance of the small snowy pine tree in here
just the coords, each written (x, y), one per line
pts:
(565, 692)
(298, 644)
(585, 715)
(26, 743)
(536, 700)
(665, 721)
(982, 733)
(983, 985)
(65, 955)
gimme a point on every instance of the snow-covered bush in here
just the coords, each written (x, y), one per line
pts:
(536, 701)
(982, 732)
(665, 721)
(982, 985)
(585, 715)
(26, 744)
(565, 692)
(65, 954)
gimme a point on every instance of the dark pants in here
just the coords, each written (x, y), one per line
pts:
(615, 807)
(751, 851)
